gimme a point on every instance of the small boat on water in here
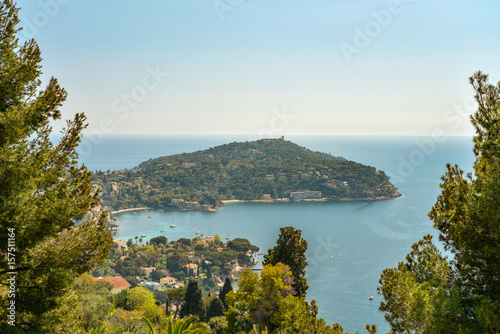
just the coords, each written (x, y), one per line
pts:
(162, 231)
(143, 236)
(172, 225)
(370, 298)
(198, 230)
(160, 210)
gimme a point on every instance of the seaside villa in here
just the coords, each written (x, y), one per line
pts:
(191, 269)
(300, 195)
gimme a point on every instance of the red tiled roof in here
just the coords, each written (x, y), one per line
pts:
(208, 240)
(117, 281)
(191, 265)
(167, 278)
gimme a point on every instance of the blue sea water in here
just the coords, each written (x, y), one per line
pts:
(350, 243)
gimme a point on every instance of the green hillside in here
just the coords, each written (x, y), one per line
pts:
(272, 168)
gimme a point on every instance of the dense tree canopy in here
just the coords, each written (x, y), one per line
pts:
(244, 171)
(43, 190)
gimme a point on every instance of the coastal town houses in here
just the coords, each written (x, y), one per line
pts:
(119, 283)
(191, 269)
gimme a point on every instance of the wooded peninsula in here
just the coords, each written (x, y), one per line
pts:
(262, 170)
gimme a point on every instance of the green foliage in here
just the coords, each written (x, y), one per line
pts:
(241, 245)
(372, 329)
(125, 322)
(217, 324)
(156, 275)
(158, 240)
(418, 294)
(291, 250)
(141, 299)
(226, 288)
(121, 298)
(466, 212)
(96, 307)
(193, 301)
(244, 171)
(43, 190)
(431, 294)
(130, 242)
(175, 299)
(257, 298)
(215, 308)
(95, 301)
(217, 240)
(188, 325)
(267, 302)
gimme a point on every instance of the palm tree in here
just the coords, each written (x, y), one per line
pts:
(136, 237)
(188, 325)
(140, 241)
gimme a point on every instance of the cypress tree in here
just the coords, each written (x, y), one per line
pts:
(215, 309)
(193, 301)
(225, 290)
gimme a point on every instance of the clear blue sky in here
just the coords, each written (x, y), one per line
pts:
(269, 67)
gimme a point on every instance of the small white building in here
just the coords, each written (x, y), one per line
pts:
(300, 195)
(167, 281)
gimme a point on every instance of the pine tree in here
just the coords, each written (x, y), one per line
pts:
(430, 293)
(225, 290)
(291, 250)
(193, 301)
(467, 211)
(43, 190)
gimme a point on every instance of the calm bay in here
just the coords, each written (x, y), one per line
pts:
(350, 243)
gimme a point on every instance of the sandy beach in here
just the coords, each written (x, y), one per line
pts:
(129, 210)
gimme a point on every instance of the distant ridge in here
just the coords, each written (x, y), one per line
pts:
(262, 170)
